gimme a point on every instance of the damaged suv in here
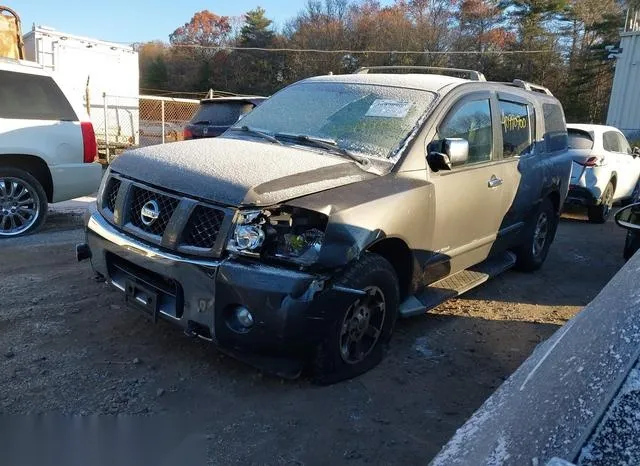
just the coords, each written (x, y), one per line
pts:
(340, 204)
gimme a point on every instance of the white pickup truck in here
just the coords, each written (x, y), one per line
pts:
(47, 147)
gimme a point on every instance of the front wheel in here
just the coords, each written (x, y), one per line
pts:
(23, 203)
(539, 234)
(600, 213)
(358, 337)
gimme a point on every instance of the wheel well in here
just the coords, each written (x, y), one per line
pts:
(35, 166)
(400, 257)
(554, 197)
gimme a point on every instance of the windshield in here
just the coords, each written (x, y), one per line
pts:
(370, 120)
(221, 113)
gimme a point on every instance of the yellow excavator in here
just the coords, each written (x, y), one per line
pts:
(11, 45)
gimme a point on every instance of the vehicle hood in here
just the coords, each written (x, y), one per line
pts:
(238, 172)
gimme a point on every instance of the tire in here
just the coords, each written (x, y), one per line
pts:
(538, 236)
(340, 357)
(23, 203)
(600, 213)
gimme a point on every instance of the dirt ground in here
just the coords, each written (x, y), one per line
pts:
(69, 345)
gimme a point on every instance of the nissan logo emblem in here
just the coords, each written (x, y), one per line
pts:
(150, 213)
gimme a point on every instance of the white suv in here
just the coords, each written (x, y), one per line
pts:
(605, 169)
(47, 147)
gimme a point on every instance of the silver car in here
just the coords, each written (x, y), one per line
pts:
(605, 169)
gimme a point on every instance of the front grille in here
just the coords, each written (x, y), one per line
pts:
(111, 193)
(203, 227)
(166, 204)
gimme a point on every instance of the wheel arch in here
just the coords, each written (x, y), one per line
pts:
(34, 165)
(397, 252)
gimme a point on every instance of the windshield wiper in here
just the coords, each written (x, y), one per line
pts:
(328, 144)
(257, 132)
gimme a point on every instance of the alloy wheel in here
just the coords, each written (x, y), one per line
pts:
(362, 326)
(19, 206)
(540, 234)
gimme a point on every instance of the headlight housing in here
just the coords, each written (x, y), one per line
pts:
(283, 233)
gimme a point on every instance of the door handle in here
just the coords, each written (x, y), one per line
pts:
(494, 182)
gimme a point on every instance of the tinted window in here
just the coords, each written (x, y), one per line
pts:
(29, 97)
(555, 128)
(579, 139)
(516, 128)
(611, 142)
(471, 121)
(221, 114)
(625, 148)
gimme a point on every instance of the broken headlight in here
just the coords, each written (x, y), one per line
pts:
(284, 233)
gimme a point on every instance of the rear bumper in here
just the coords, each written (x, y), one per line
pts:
(579, 195)
(75, 180)
(292, 310)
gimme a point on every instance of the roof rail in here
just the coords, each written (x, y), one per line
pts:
(470, 74)
(530, 86)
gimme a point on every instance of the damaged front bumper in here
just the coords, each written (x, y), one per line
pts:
(291, 311)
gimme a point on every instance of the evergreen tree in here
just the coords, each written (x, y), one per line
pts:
(256, 31)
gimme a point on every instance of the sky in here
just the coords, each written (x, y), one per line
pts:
(131, 21)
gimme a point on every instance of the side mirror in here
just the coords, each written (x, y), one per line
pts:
(629, 217)
(453, 151)
(636, 151)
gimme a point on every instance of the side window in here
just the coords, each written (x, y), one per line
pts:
(31, 97)
(555, 128)
(516, 128)
(625, 148)
(610, 141)
(471, 121)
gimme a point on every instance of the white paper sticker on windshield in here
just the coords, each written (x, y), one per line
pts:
(387, 108)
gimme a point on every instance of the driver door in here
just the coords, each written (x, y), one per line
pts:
(469, 207)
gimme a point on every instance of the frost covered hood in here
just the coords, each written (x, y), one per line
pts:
(238, 172)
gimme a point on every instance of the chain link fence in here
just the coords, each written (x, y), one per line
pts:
(122, 123)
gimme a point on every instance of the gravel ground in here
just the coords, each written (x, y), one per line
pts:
(69, 345)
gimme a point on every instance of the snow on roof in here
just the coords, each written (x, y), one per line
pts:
(427, 82)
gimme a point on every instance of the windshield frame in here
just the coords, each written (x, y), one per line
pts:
(397, 152)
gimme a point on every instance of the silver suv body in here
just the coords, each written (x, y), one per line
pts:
(339, 204)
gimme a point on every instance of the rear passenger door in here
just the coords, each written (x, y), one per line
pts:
(468, 199)
(624, 164)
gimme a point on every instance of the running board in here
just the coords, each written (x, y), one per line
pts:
(456, 284)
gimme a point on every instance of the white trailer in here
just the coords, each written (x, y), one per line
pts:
(102, 75)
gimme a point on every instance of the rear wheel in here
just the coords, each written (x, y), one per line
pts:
(600, 213)
(539, 234)
(358, 338)
(23, 203)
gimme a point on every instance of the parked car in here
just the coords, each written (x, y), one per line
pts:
(605, 169)
(216, 115)
(338, 205)
(629, 218)
(47, 147)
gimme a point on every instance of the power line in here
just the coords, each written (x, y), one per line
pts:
(348, 51)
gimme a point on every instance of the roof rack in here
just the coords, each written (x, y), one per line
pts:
(470, 74)
(530, 86)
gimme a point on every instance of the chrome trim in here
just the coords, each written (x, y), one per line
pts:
(99, 225)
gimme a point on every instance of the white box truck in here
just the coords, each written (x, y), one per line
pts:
(103, 76)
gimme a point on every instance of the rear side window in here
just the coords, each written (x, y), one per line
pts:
(471, 121)
(555, 128)
(516, 128)
(221, 114)
(610, 141)
(579, 139)
(625, 148)
(31, 97)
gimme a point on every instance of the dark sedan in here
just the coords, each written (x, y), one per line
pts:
(216, 115)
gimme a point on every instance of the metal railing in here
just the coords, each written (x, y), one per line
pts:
(122, 122)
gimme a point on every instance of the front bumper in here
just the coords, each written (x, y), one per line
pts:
(292, 310)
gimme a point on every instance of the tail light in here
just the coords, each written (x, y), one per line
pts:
(89, 142)
(187, 134)
(591, 162)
